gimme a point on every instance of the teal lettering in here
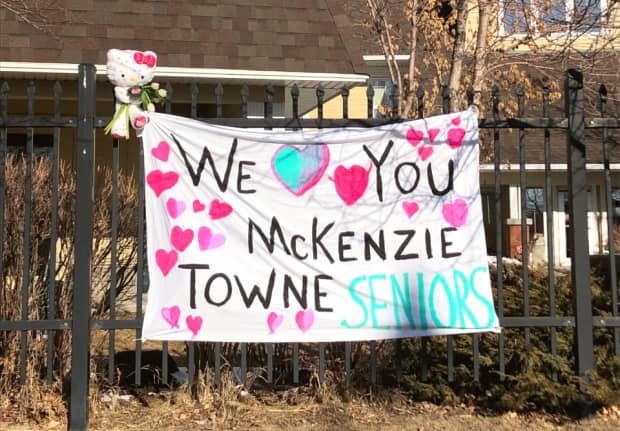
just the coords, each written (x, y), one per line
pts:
(461, 299)
(374, 305)
(356, 298)
(422, 301)
(488, 304)
(402, 300)
(434, 316)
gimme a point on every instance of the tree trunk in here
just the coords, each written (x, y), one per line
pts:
(458, 52)
(480, 53)
(407, 94)
(377, 11)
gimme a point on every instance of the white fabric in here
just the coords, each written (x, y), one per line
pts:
(296, 236)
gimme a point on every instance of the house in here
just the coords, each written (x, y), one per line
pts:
(537, 34)
(232, 42)
(307, 43)
(199, 45)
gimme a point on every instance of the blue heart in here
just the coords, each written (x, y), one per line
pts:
(299, 170)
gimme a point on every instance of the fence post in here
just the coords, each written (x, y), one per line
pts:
(578, 213)
(80, 333)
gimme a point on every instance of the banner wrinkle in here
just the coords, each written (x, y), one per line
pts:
(304, 236)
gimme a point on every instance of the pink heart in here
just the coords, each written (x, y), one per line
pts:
(410, 208)
(456, 121)
(304, 319)
(425, 151)
(455, 213)
(198, 206)
(455, 137)
(432, 134)
(160, 181)
(351, 182)
(166, 260)
(161, 151)
(171, 315)
(175, 207)
(193, 324)
(274, 320)
(207, 240)
(219, 209)
(181, 239)
(415, 136)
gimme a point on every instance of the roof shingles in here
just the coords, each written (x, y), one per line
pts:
(291, 35)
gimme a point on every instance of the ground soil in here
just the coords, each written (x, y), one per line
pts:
(299, 409)
(294, 411)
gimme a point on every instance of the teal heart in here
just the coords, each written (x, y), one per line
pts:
(299, 170)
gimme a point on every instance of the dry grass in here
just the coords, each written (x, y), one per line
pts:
(307, 409)
(45, 246)
(231, 406)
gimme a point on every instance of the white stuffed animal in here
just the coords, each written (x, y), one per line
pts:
(131, 72)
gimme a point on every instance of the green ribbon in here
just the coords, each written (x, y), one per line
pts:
(122, 110)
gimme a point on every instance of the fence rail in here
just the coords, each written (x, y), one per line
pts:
(81, 322)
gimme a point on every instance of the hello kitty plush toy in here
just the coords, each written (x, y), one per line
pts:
(131, 72)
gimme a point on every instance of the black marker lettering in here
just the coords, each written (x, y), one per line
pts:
(378, 164)
(409, 234)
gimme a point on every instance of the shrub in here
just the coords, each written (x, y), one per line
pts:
(31, 277)
(534, 378)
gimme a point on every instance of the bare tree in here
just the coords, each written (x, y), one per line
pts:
(479, 43)
(43, 15)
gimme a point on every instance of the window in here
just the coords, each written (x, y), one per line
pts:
(42, 143)
(257, 110)
(589, 13)
(381, 100)
(535, 208)
(490, 219)
(551, 16)
(515, 19)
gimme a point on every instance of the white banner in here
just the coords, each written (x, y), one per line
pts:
(323, 235)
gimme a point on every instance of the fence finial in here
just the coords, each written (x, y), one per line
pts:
(320, 94)
(546, 90)
(194, 90)
(30, 91)
(345, 102)
(520, 92)
(245, 93)
(420, 95)
(268, 109)
(219, 96)
(168, 101)
(4, 98)
(602, 92)
(495, 93)
(370, 94)
(470, 95)
(295, 97)
(394, 101)
(57, 97)
(445, 98)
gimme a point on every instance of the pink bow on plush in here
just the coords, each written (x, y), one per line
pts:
(142, 58)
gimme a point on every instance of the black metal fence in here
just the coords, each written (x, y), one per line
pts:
(278, 360)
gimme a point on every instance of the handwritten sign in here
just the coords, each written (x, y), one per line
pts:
(329, 235)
